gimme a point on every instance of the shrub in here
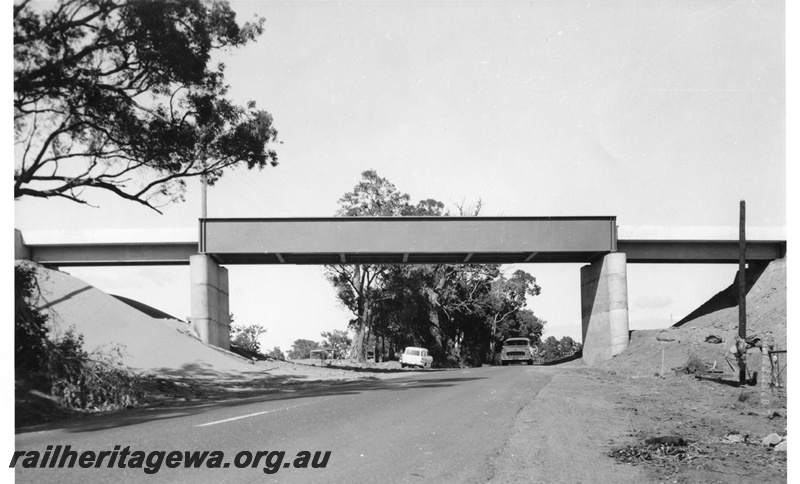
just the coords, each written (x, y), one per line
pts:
(276, 353)
(30, 324)
(94, 381)
(247, 336)
(695, 365)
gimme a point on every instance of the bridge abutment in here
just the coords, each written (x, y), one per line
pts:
(210, 306)
(604, 308)
(21, 250)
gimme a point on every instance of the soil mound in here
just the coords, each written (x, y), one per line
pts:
(147, 344)
(766, 318)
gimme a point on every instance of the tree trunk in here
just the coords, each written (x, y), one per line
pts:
(357, 351)
(435, 328)
(357, 347)
(367, 337)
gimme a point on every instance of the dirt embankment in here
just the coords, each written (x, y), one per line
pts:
(153, 343)
(178, 368)
(766, 318)
(722, 423)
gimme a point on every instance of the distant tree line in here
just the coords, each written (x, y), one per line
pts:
(461, 313)
(336, 343)
(551, 349)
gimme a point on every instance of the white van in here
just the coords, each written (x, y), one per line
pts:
(414, 356)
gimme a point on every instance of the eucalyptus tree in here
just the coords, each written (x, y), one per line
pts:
(122, 96)
(455, 310)
(358, 285)
(337, 340)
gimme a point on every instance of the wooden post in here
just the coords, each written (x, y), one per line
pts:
(766, 370)
(742, 284)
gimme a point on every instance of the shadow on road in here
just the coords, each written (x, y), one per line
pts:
(234, 391)
(206, 371)
(359, 369)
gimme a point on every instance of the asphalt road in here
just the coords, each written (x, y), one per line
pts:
(432, 426)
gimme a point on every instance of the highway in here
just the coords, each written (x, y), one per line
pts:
(428, 426)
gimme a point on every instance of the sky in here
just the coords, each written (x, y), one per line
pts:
(660, 113)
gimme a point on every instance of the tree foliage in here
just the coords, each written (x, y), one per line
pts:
(301, 349)
(121, 96)
(276, 353)
(30, 324)
(552, 348)
(458, 312)
(246, 336)
(337, 340)
(356, 285)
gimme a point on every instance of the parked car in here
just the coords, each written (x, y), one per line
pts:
(414, 356)
(517, 349)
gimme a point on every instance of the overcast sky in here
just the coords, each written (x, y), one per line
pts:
(661, 113)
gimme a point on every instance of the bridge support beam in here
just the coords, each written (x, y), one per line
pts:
(604, 308)
(210, 307)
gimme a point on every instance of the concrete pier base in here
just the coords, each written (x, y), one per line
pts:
(604, 308)
(210, 307)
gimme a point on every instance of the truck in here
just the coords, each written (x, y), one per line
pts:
(517, 350)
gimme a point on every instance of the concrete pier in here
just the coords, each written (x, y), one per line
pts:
(604, 308)
(210, 307)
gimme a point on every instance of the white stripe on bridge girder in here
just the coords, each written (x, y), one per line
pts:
(252, 415)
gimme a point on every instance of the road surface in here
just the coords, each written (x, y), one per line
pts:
(431, 426)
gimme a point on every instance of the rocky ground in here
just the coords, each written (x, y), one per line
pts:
(719, 428)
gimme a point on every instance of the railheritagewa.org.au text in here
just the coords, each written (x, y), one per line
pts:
(151, 462)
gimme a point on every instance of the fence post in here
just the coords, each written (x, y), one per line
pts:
(766, 369)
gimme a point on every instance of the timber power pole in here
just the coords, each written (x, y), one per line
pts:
(742, 282)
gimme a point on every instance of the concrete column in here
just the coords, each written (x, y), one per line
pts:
(210, 307)
(604, 308)
(224, 314)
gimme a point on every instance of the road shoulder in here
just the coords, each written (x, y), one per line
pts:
(565, 432)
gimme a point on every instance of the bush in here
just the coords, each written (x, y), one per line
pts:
(30, 324)
(276, 353)
(90, 381)
(76, 378)
(247, 336)
(694, 365)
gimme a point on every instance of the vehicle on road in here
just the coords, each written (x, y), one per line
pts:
(414, 356)
(517, 350)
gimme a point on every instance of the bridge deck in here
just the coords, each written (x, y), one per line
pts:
(398, 240)
(410, 240)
